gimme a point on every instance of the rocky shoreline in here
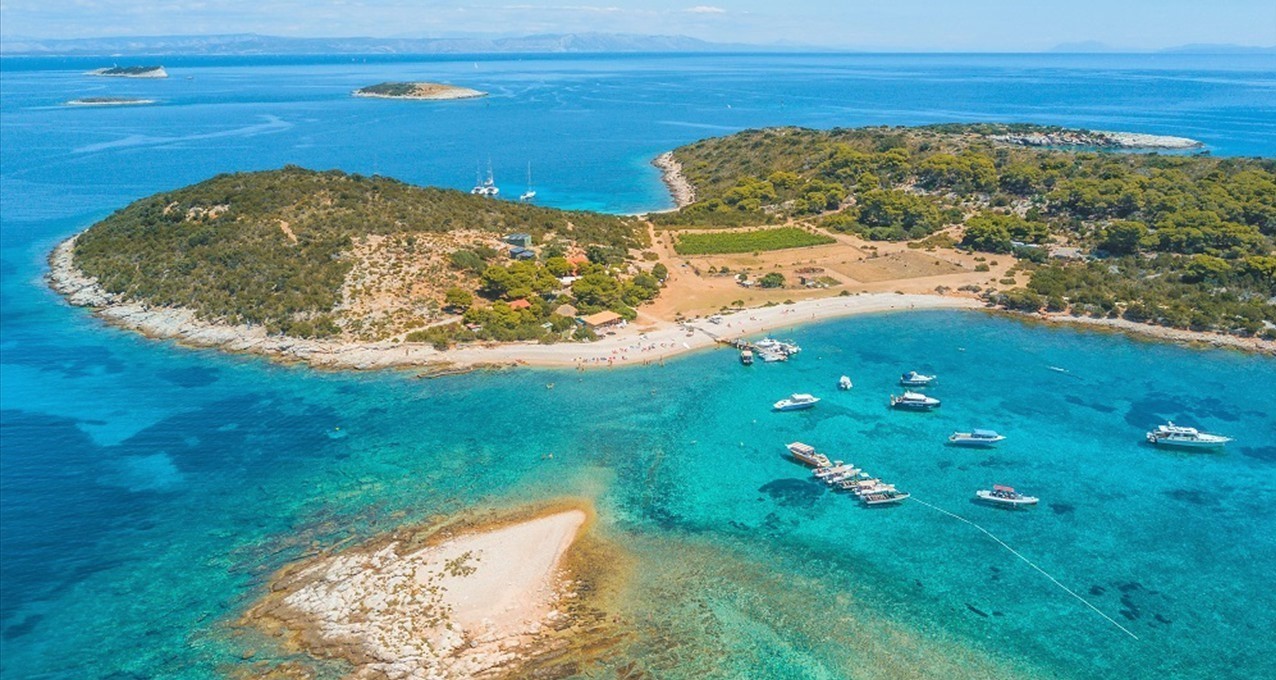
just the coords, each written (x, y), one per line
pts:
(671, 173)
(1100, 139)
(637, 344)
(491, 598)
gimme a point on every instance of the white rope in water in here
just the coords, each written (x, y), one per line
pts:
(1030, 563)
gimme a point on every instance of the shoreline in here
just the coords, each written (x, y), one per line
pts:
(448, 94)
(642, 342)
(494, 594)
(671, 174)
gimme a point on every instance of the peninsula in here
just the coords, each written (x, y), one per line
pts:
(776, 227)
(417, 90)
(130, 72)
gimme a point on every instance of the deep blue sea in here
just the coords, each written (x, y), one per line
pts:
(147, 491)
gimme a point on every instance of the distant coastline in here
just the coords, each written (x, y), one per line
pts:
(418, 90)
(130, 72)
(108, 101)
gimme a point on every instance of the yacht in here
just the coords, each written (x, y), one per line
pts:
(1170, 434)
(976, 438)
(530, 193)
(769, 356)
(807, 454)
(915, 401)
(796, 402)
(1005, 496)
(485, 187)
(915, 379)
(844, 383)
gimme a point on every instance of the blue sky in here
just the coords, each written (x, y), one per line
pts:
(993, 25)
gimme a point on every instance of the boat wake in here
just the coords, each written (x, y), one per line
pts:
(1030, 563)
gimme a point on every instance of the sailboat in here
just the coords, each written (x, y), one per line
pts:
(485, 187)
(530, 193)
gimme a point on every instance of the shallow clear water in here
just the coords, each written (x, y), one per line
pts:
(148, 490)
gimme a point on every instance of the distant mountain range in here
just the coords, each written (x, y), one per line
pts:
(557, 43)
(249, 44)
(1096, 47)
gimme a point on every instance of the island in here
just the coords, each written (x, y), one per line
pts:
(773, 226)
(108, 101)
(519, 595)
(417, 90)
(130, 72)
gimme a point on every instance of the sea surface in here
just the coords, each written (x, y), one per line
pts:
(148, 491)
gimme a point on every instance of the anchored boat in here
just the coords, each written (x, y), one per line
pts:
(746, 357)
(1170, 434)
(844, 383)
(915, 379)
(1005, 496)
(914, 401)
(976, 438)
(796, 402)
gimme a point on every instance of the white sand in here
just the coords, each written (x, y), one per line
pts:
(450, 610)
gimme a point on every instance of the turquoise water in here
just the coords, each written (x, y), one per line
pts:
(147, 490)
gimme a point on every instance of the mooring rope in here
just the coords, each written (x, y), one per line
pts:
(1030, 563)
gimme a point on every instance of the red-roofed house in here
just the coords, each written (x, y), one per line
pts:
(520, 304)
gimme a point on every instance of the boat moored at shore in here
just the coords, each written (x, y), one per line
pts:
(1178, 436)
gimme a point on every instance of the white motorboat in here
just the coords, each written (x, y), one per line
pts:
(883, 497)
(796, 402)
(1005, 496)
(844, 383)
(914, 401)
(915, 379)
(976, 438)
(1170, 434)
(773, 345)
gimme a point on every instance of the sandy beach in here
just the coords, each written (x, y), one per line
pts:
(477, 601)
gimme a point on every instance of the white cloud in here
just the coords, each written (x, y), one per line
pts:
(705, 9)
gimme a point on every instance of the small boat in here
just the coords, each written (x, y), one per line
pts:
(746, 357)
(1170, 434)
(807, 454)
(883, 497)
(915, 401)
(915, 379)
(769, 356)
(844, 383)
(796, 402)
(1005, 496)
(976, 438)
(780, 346)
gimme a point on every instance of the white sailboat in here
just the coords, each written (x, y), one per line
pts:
(530, 194)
